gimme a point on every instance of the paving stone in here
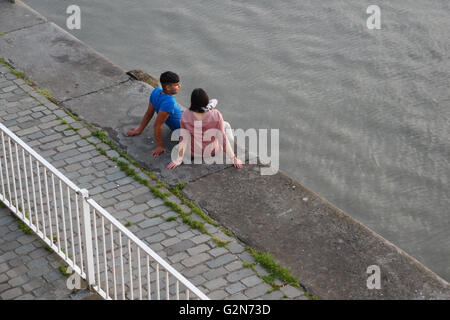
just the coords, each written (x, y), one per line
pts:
(66, 154)
(260, 270)
(183, 228)
(139, 191)
(171, 233)
(27, 296)
(179, 247)
(158, 210)
(238, 275)
(52, 276)
(170, 241)
(215, 284)
(139, 208)
(174, 199)
(3, 268)
(235, 288)
(9, 88)
(36, 135)
(111, 194)
(27, 131)
(123, 205)
(82, 143)
(84, 132)
(246, 257)
(87, 148)
(186, 235)
(136, 218)
(39, 252)
(96, 190)
(7, 256)
(222, 260)
(19, 261)
(3, 278)
(11, 294)
(115, 176)
(50, 145)
(155, 202)
(66, 147)
(218, 252)
(61, 128)
(126, 188)
(198, 249)
(170, 214)
(197, 259)
(215, 273)
(201, 238)
(78, 158)
(251, 281)
(155, 238)
(292, 292)
(110, 185)
(49, 124)
(235, 247)
(198, 280)
(39, 108)
(112, 154)
(73, 167)
(25, 249)
(87, 178)
(18, 281)
(99, 159)
(49, 118)
(70, 120)
(151, 222)
(218, 294)
(235, 265)
(178, 257)
(274, 295)
(257, 291)
(143, 234)
(71, 139)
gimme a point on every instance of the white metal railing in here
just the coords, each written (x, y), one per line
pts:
(112, 260)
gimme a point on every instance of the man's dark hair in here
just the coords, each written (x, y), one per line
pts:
(169, 77)
(199, 100)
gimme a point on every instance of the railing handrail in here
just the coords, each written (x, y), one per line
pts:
(146, 249)
(39, 158)
(91, 213)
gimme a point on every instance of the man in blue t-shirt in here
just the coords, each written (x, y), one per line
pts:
(169, 112)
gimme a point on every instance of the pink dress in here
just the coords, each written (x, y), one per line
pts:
(213, 120)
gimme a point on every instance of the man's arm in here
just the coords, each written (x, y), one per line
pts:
(145, 120)
(159, 122)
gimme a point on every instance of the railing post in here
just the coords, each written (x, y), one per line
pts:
(87, 228)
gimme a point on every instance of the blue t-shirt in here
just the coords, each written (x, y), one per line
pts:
(167, 103)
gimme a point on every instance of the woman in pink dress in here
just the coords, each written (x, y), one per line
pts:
(202, 118)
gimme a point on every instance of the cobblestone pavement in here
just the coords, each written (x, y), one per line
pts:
(217, 271)
(27, 270)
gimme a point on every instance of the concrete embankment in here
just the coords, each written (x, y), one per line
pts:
(325, 248)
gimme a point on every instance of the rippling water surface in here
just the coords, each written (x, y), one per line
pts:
(363, 114)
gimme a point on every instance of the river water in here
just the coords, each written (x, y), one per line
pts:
(364, 115)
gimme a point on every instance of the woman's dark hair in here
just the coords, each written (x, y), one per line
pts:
(169, 77)
(199, 100)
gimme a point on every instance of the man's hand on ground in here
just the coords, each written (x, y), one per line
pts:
(156, 152)
(132, 132)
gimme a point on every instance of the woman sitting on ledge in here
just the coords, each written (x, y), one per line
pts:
(201, 110)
